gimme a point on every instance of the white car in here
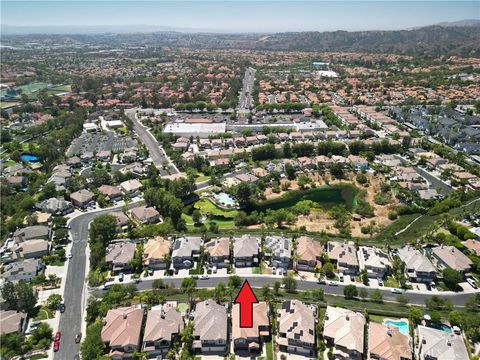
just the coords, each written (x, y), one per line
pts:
(472, 283)
(69, 256)
(396, 291)
(204, 277)
(332, 283)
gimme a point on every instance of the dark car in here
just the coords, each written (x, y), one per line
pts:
(61, 307)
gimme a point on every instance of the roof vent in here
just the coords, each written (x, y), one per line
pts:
(424, 341)
(347, 317)
(124, 315)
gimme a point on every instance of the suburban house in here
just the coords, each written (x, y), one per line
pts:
(122, 220)
(12, 321)
(296, 328)
(156, 253)
(451, 257)
(23, 270)
(344, 330)
(279, 250)
(82, 198)
(145, 215)
(31, 249)
(344, 255)
(17, 182)
(210, 333)
(473, 245)
(309, 253)
(119, 255)
(121, 331)
(164, 324)
(245, 251)
(374, 261)
(55, 206)
(250, 339)
(436, 344)
(185, 251)
(31, 232)
(131, 187)
(387, 343)
(218, 252)
(417, 266)
(110, 193)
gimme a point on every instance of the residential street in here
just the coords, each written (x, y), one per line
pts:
(74, 295)
(415, 297)
(156, 152)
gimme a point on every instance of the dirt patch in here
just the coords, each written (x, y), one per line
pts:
(319, 221)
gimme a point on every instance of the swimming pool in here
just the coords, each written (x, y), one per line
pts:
(402, 325)
(29, 158)
(225, 199)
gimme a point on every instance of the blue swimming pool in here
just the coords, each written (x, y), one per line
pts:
(225, 199)
(400, 324)
(29, 158)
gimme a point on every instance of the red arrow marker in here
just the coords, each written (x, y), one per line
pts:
(246, 298)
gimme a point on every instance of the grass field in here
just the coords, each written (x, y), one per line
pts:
(44, 314)
(8, 104)
(207, 208)
(323, 195)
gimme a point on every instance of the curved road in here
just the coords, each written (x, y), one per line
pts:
(74, 293)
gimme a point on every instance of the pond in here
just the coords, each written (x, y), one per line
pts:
(29, 158)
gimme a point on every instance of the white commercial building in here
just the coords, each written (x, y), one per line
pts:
(203, 130)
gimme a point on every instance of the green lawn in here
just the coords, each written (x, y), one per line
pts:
(201, 177)
(182, 307)
(323, 195)
(391, 282)
(269, 350)
(38, 356)
(206, 207)
(9, 163)
(44, 313)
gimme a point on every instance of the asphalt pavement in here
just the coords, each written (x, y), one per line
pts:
(74, 294)
(258, 281)
(157, 154)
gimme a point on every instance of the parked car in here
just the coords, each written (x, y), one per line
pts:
(332, 283)
(321, 281)
(69, 256)
(106, 286)
(121, 277)
(56, 346)
(396, 291)
(472, 283)
(204, 277)
(196, 277)
(57, 337)
(380, 282)
(78, 337)
(61, 307)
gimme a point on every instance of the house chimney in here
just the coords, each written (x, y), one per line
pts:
(347, 317)
(124, 315)
(424, 341)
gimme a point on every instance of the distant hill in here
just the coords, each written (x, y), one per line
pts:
(431, 41)
(466, 22)
(434, 41)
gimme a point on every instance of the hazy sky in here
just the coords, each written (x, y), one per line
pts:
(234, 16)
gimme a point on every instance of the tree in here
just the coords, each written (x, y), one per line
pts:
(188, 286)
(266, 292)
(290, 283)
(329, 269)
(104, 226)
(244, 192)
(41, 336)
(451, 278)
(276, 287)
(53, 301)
(196, 216)
(350, 291)
(9, 296)
(220, 292)
(363, 293)
(234, 282)
(415, 315)
(92, 345)
(26, 297)
(437, 303)
(376, 296)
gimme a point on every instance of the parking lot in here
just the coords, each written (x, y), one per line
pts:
(96, 142)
